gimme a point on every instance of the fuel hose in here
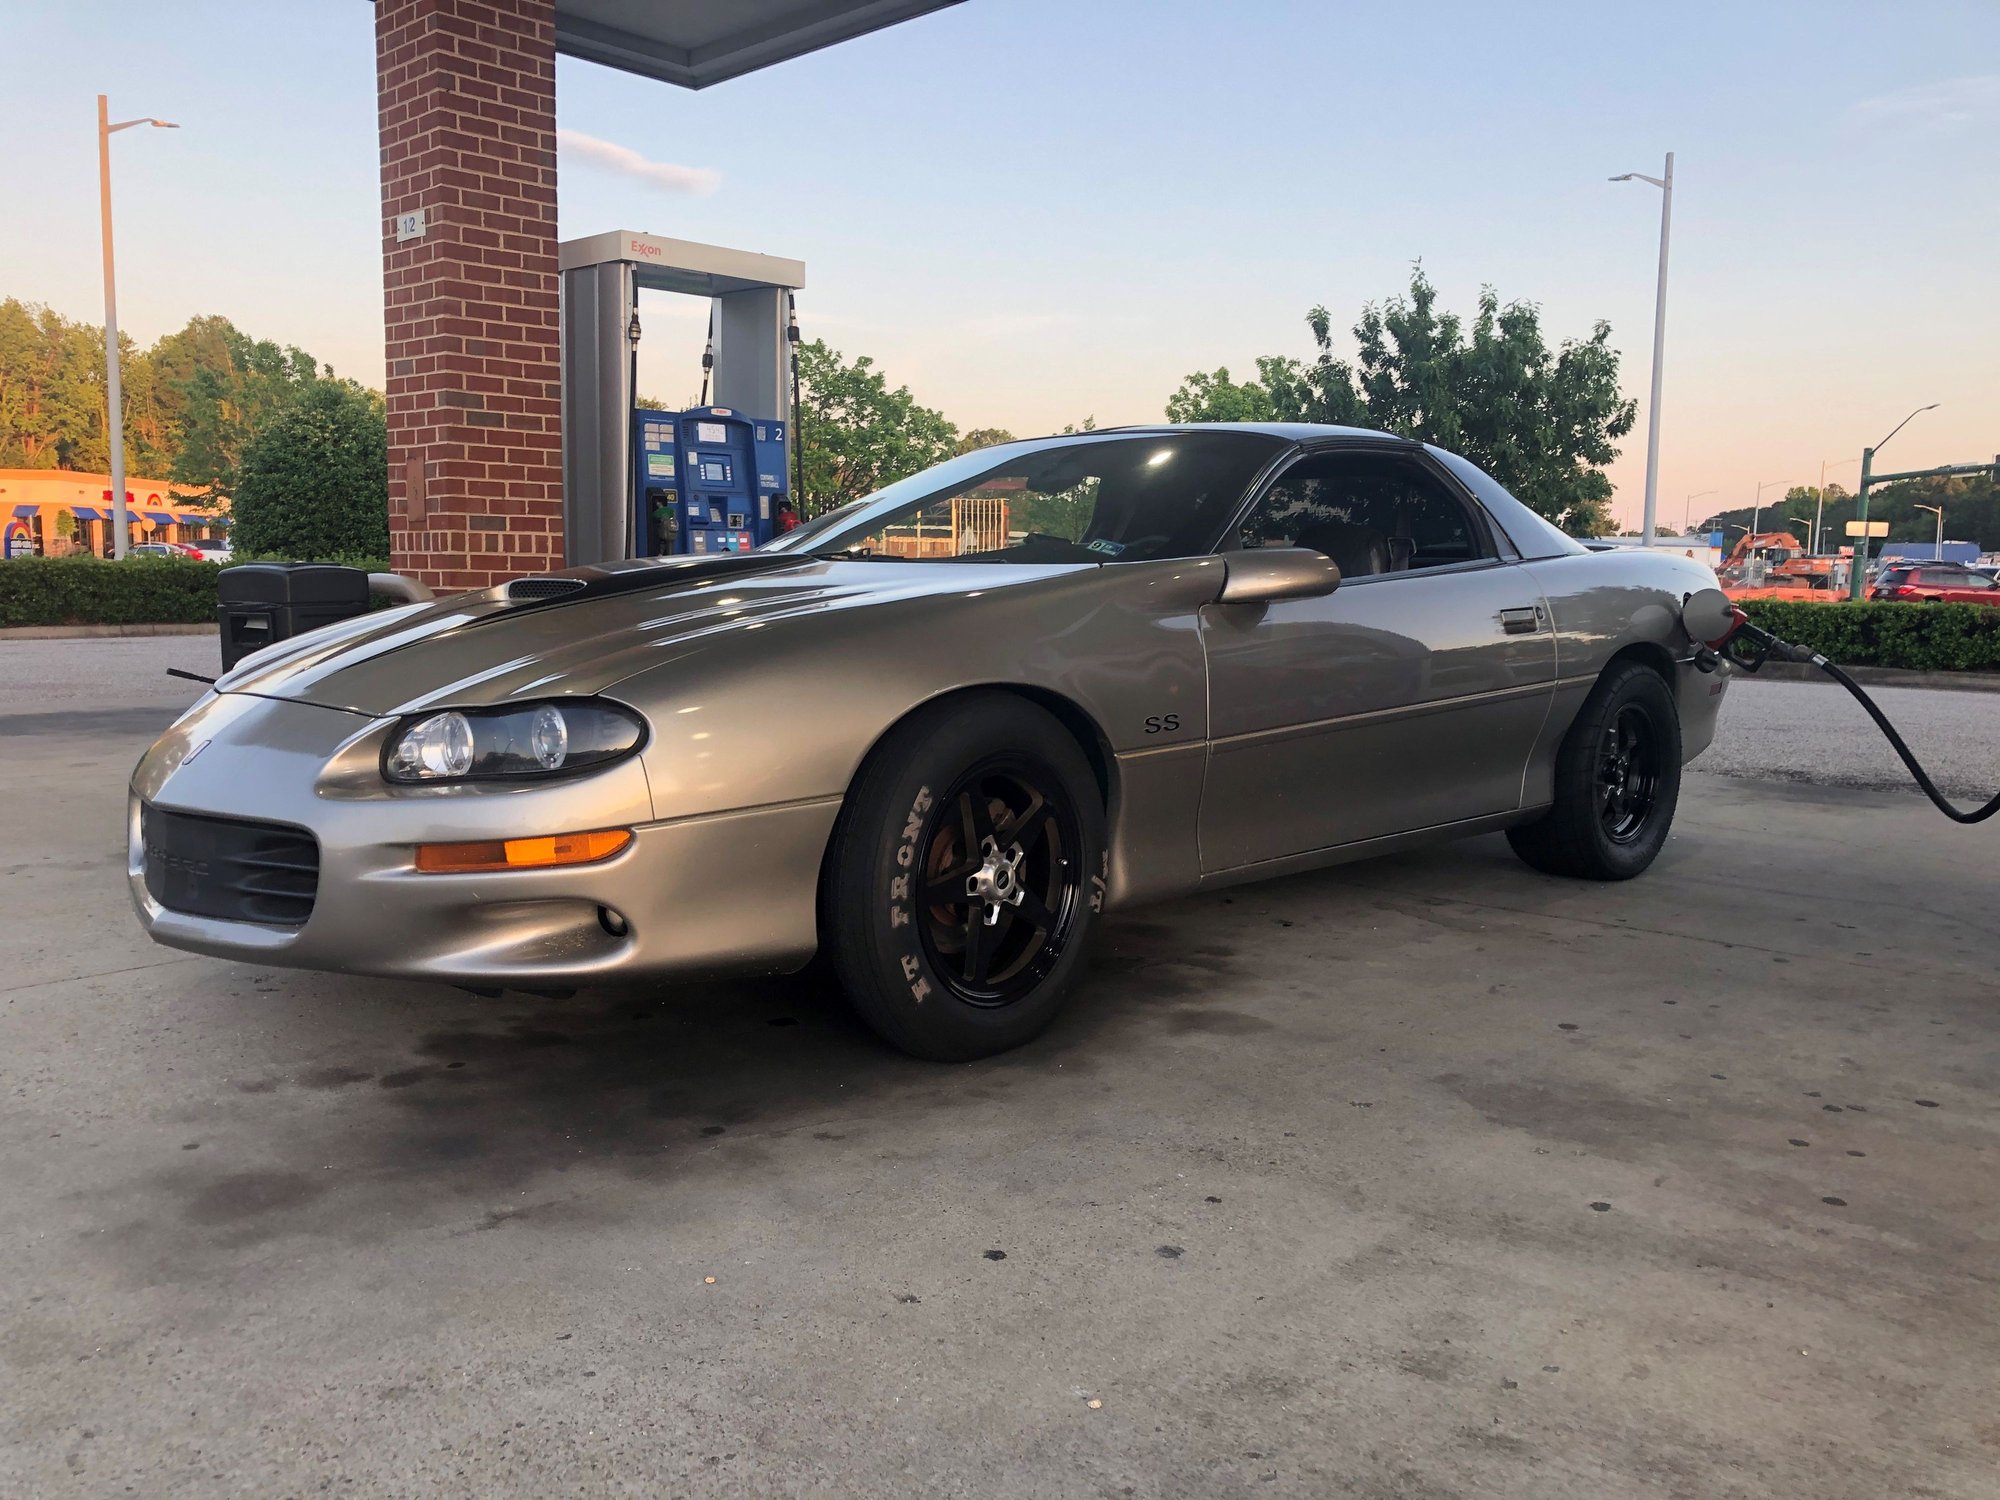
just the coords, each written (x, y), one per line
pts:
(1977, 815)
(1711, 617)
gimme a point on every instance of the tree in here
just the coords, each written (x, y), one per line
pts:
(190, 402)
(217, 387)
(1543, 422)
(1213, 397)
(858, 435)
(982, 437)
(51, 390)
(314, 481)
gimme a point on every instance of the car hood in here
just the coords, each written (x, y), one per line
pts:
(504, 644)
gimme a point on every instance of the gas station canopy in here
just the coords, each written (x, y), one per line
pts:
(698, 42)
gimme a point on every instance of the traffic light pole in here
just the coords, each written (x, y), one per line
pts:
(1858, 581)
(1857, 570)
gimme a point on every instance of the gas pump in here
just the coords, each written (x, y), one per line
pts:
(706, 480)
(641, 483)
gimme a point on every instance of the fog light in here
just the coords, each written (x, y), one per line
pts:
(522, 854)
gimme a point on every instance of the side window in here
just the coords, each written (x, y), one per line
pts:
(1370, 513)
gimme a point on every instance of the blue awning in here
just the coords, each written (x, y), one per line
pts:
(88, 513)
(158, 517)
(21, 511)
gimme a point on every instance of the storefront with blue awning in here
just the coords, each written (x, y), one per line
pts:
(57, 513)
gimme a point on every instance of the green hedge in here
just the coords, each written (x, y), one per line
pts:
(86, 590)
(90, 591)
(1917, 637)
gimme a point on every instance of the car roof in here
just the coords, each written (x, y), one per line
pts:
(1297, 432)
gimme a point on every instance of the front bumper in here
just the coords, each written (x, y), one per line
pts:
(729, 892)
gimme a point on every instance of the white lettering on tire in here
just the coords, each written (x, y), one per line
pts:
(899, 890)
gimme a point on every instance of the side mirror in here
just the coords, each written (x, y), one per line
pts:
(1708, 616)
(1257, 575)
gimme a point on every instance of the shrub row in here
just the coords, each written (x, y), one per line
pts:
(86, 590)
(1916, 637)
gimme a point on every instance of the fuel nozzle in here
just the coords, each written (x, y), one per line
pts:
(1724, 633)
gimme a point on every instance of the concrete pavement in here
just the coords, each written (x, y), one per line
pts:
(1426, 1177)
(1815, 732)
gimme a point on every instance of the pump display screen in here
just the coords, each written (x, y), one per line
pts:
(710, 432)
(714, 471)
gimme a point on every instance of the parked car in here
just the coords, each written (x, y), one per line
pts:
(1167, 659)
(1936, 583)
(215, 552)
(160, 549)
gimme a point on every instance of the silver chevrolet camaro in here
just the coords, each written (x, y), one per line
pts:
(932, 735)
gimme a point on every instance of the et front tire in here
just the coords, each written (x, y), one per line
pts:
(1617, 782)
(966, 877)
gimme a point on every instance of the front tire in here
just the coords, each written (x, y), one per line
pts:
(1617, 782)
(966, 877)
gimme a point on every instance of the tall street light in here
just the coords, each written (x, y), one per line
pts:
(1757, 510)
(1687, 509)
(1819, 508)
(121, 525)
(1666, 186)
(1937, 552)
(1859, 568)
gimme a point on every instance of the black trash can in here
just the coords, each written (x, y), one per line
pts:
(258, 603)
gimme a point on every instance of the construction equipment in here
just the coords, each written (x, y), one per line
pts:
(1775, 558)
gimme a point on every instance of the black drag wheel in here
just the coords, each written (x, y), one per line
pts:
(1617, 782)
(965, 878)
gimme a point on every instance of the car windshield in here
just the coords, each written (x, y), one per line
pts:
(1123, 497)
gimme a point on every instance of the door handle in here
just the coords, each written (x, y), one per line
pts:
(1522, 621)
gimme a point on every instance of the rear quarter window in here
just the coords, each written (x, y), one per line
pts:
(1532, 535)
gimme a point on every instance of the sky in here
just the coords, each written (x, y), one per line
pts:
(1036, 211)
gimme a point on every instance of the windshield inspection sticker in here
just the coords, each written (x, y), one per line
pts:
(1106, 546)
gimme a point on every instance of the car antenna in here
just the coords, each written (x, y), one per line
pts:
(190, 676)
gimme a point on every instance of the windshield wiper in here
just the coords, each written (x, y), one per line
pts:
(845, 554)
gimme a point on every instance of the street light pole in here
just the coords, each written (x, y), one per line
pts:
(1937, 551)
(1687, 510)
(1757, 509)
(114, 396)
(1857, 571)
(1819, 506)
(1666, 186)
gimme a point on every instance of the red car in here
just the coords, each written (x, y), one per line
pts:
(1936, 583)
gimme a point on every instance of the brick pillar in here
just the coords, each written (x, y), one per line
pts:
(467, 97)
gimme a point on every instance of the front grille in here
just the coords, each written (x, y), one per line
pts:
(544, 588)
(233, 871)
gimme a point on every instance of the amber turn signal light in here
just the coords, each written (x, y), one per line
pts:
(522, 854)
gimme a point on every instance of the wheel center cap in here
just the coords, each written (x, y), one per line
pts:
(997, 882)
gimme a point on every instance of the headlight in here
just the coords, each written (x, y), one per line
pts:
(536, 739)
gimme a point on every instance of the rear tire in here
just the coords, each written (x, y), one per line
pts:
(1617, 782)
(965, 878)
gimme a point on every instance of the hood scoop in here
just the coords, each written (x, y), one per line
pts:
(522, 590)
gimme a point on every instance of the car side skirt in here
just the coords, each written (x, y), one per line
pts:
(1340, 854)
